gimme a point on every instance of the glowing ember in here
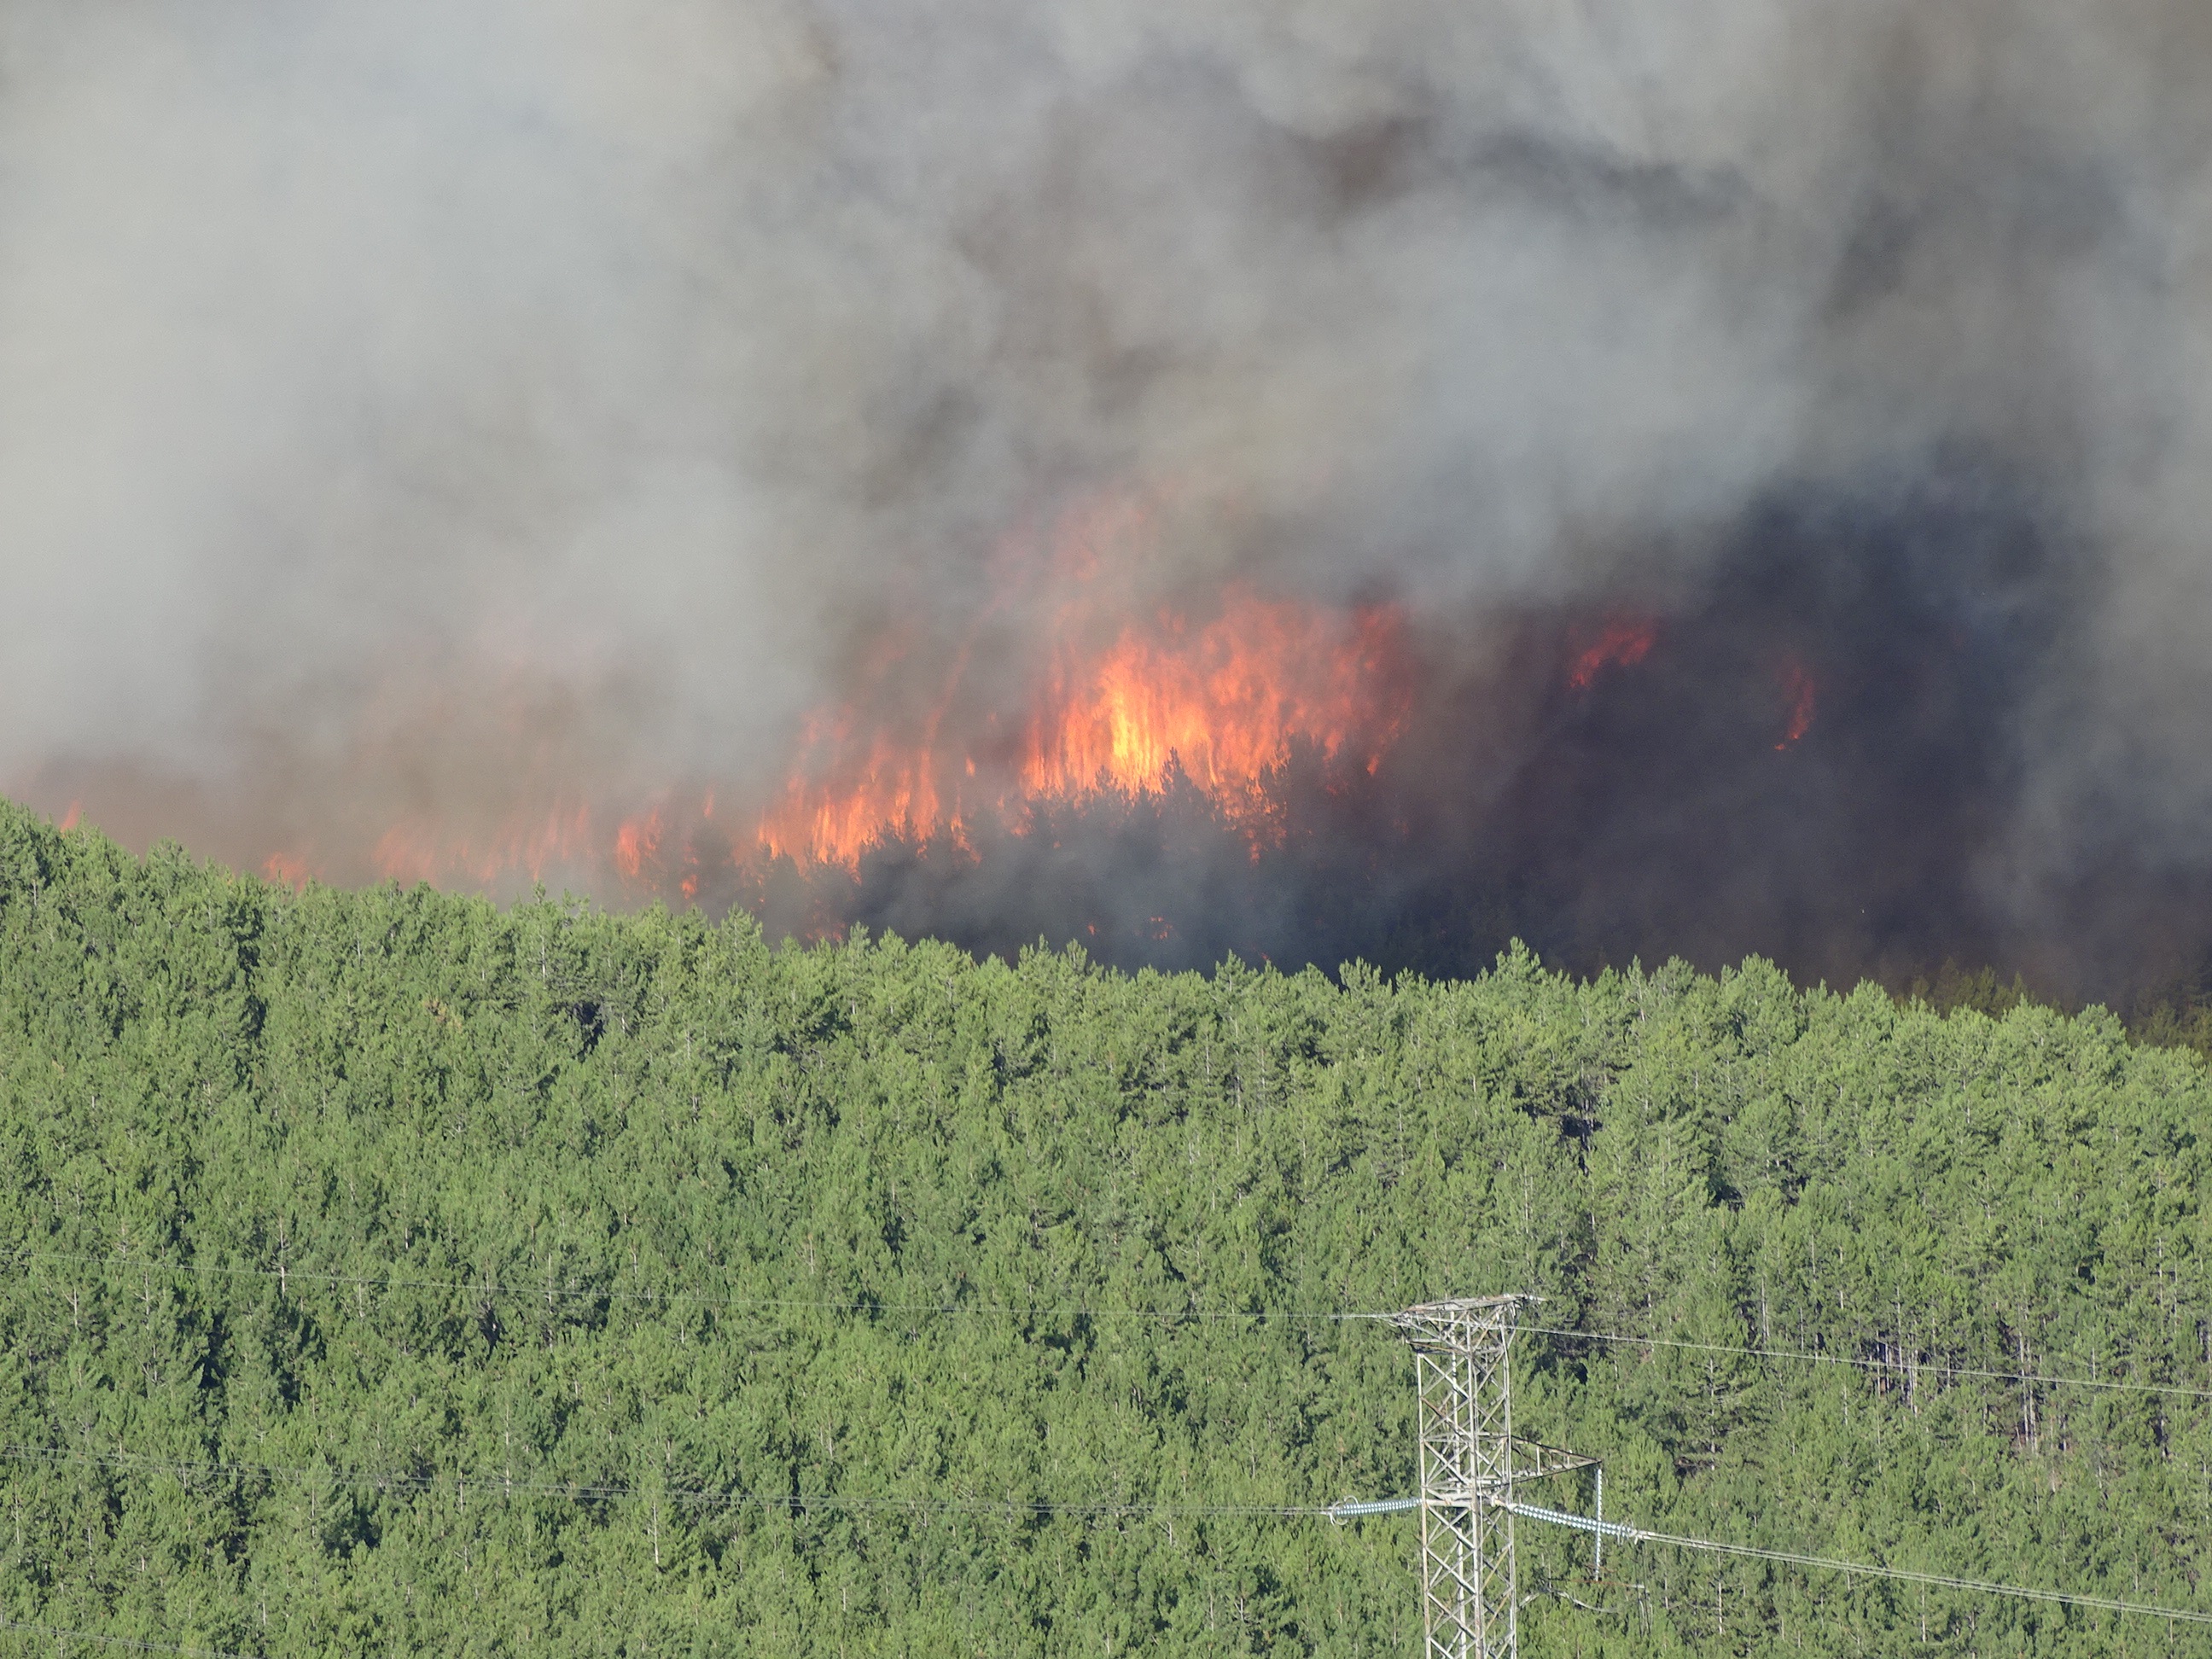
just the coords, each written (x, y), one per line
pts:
(1624, 642)
(1800, 693)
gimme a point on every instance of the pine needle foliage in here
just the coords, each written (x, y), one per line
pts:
(388, 1273)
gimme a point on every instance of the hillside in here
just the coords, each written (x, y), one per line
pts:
(392, 1273)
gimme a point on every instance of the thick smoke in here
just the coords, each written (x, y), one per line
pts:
(438, 415)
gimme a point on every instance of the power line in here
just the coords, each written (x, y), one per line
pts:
(1470, 1475)
(1860, 1569)
(1160, 1316)
(1855, 1362)
(504, 1485)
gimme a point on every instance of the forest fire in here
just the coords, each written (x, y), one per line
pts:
(1622, 642)
(414, 850)
(1226, 701)
(1140, 772)
(1222, 703)
(1168, 770)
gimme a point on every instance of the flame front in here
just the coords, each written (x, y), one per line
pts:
(1093, 694)
(1227, 702)
(854, 787)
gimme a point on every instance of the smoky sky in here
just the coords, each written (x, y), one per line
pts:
(437, 410)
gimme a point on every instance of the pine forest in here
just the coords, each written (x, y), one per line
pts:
(390, 1272)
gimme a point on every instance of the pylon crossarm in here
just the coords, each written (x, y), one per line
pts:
(1537, 1459)
(1445, 1326)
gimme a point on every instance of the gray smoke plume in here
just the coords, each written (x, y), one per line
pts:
(438, 414)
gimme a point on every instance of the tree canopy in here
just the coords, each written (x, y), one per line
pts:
(392, 1273)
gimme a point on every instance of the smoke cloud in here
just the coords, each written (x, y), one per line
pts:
(419, 418)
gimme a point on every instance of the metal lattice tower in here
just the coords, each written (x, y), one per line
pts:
(1470, 1590)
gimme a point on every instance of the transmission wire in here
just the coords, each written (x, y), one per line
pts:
(1161, 1316)
(1620, 1530)
(1809, 1357)
(1861, 1569)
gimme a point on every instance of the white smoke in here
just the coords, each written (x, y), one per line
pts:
(435, 409)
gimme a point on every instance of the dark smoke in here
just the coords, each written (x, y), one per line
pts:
(1661, 808)
(427, 419)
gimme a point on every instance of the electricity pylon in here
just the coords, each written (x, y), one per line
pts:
(1470, 1461)
(1470, 1585)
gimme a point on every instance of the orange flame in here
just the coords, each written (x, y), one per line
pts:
(1117, 702)
(412, 851)
(1226, 702)
(637, 842)
(286, 869)
(1624, 642)
(892, 792)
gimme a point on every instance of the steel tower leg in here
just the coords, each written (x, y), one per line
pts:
(1470, 1590)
